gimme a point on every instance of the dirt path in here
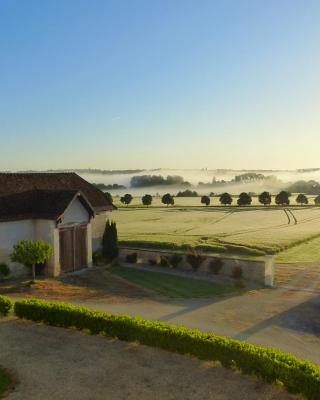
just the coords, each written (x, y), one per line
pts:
(59, 364)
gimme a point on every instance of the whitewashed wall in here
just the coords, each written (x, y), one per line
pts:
(98, 225)
(75, 213)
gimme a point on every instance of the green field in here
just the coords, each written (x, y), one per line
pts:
(234, 231)
(170, 285)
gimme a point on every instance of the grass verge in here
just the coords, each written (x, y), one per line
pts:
(171, 285)
(271, 365)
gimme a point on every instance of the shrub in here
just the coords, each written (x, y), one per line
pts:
(175, 260)
(97, 257)
(31, 252)
(164, 262)
(237, 272)
(272, 365)
(5, 305)
(195, 260)
(153, 261)
(4, 270)
(132, 258)
(216, 265)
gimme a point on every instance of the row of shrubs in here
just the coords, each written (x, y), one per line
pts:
(271, 365)
(195, 261)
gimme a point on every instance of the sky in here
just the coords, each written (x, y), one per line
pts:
(148, 84)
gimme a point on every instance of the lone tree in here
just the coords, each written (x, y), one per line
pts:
(126, 199)
(225, 199)
(265, 198)
(302, 199)
(282, 199)
(147, 200)
(109, 197)
(110, 248)
(167, 199)
(317, 200)
(31, 252)
(205, 200)
(244, 199)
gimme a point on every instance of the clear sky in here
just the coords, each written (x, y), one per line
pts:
(159, 83)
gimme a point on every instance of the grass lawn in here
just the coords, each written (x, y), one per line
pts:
(170, 285)
(5, 381)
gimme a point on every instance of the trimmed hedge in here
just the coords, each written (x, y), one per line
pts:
(5, 305)
(271, 365)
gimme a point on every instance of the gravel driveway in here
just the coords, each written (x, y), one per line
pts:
(58, 364)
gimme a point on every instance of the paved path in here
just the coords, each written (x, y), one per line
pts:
(287, 317)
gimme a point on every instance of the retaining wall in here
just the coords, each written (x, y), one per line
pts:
(256, 271)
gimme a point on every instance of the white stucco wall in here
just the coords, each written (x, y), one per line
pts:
(10, 234)
(98, 224)
(75, 214)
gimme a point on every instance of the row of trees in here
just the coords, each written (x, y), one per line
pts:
(244, 199)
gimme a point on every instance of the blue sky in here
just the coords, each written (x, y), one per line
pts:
(170, 83)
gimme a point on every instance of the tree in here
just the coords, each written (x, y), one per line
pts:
(225, 199)
(205, 200)
(282, 198)
(126, 199)
(109, 197)
(265, 198)
(302, 199)
(31, 252)
(146, 200)
(317, 200)
(244, 199)
(167, 199)
(110, 248)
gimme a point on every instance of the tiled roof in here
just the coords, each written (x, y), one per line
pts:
(39, 204)
(14, 183)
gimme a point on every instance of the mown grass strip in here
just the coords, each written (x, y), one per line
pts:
(271, 365)
(171, 285)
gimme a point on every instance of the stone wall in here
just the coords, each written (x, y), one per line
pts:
(254, 271)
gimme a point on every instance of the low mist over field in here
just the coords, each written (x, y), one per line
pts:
(203, 181)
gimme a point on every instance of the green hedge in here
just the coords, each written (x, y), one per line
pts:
(269, 364)
(5, 305)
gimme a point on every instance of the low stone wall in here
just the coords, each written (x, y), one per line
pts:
(256, 271)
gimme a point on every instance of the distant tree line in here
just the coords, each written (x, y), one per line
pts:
(307, 187)
(157, 180)
(244, 199)
(113, 186)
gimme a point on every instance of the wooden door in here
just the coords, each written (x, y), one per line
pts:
(66, 249)
(80, 252)
(73, 248)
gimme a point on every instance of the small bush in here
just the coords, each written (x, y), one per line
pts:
(4, 270)
(152, 261)
(216, 265)
(164, 262)
(175, 260)
(5, 305)
(272, 365)
(237, 272)
(195, 260)
(98, 257)
(132, 258)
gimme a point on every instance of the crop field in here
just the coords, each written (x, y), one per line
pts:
(293, 233)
